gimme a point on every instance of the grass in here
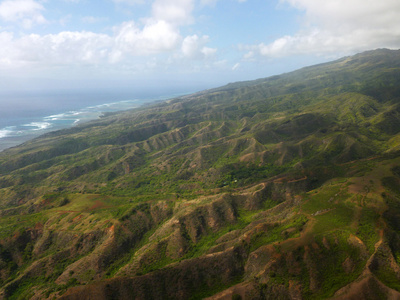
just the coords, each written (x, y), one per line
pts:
(130, 256)
(207, 241)
(330, 208)
(115, 266)
(323, 198)
(25, 289)
(340, 217)
(10, 225)
(367, 228)
(157, 259)
(331, 275)
(245, 217)
(279, 232)
(207, 291)
(389, 278)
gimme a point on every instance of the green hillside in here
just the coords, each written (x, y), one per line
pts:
(286, 187)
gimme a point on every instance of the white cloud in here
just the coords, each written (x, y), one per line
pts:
(194, 47)
(176, 12)
(160, 32)
(83, 48)
(25, 12)
(350, 14)
(208, 52)
(62, 49)
(338, 26)
(7, 51)
(155, 37)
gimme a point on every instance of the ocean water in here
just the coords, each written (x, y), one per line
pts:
(23, 117)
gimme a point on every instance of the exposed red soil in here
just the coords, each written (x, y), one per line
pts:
(98, 204)
(67, 211)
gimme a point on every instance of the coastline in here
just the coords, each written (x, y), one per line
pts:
(30, 128)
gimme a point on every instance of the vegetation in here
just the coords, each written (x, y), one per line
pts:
(286, 187)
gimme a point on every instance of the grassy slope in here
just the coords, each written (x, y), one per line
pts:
(289, 185)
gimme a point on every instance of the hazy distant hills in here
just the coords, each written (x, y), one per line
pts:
(285, 187)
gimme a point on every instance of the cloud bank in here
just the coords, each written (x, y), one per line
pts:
(132, 40)
(25, 12)
(337, 26)
(176, 34)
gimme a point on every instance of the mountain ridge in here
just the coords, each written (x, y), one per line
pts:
(284, 187)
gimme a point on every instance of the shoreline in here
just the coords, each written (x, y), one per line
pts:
(28, 127)
(14, 135)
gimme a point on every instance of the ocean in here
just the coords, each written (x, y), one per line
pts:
(26, 116)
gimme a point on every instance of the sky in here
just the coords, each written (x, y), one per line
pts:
(186, 45)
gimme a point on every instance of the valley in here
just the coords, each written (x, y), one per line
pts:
(286, 187)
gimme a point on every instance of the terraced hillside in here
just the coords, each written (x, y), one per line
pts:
(281, 188)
